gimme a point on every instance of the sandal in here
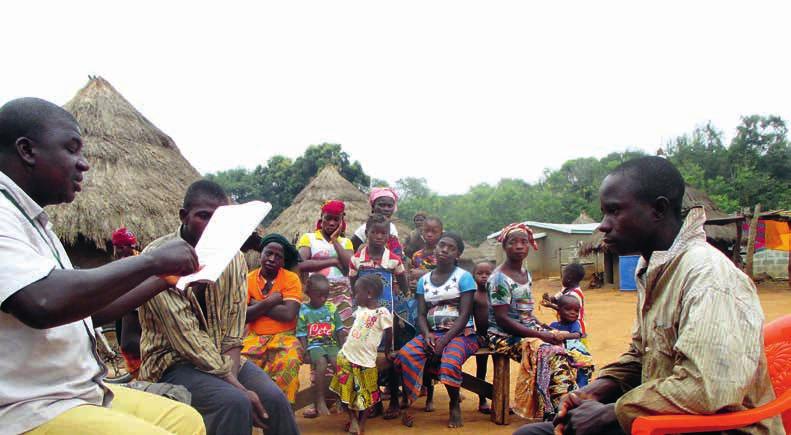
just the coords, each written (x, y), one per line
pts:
(484, 409)
(311, 412)
(407, 420)
(391, 414)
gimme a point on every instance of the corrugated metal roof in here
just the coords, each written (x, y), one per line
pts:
(561, 228)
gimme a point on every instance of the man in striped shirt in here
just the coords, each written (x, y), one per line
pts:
(697, 344)
(193, 338)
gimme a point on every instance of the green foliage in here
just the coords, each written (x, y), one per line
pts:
(754, 167)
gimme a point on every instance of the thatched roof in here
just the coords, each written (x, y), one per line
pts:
(692, 197)
(304, 211)
(137, 178)
(486, 251)
(583, 218)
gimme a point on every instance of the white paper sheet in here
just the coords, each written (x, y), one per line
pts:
(225, 233)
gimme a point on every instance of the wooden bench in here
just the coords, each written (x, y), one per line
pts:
(498, 391)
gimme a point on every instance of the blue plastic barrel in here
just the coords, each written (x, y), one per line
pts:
(627, 265)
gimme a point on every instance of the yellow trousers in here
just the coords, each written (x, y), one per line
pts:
(132, 412)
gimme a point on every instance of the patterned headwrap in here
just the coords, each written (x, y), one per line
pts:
(515, 228)
(290, 254)
(336, 207)
(123, 237)
(378, 192)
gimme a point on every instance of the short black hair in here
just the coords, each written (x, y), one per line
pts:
(433, 219)
(28, 117)
(576, 271)
(375, 219)
(374, 284)
(653, 176)
(316, 279)
(202, 189)
(568, 299)
(456, 239)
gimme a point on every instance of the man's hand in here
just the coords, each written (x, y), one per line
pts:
(583, 417)
(259, 413)
(176, 257)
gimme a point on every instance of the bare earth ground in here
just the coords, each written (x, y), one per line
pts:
(609, 316)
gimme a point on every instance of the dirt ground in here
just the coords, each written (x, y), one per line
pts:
(609, 317)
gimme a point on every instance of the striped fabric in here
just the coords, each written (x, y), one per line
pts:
(412, 360)
(176, 330)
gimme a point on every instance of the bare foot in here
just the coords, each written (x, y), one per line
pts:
(455, 419)
(322, 409)
(429, 406)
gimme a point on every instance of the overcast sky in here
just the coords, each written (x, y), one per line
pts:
(457, 92)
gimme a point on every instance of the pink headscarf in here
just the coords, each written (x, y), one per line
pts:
(378, 192)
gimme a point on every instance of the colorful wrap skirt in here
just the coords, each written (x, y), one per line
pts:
(356, 386)
(413, 361)
(280, 356)
(545, 374)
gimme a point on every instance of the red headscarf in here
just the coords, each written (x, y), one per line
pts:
(515, 228)
(336, 207)
(123, 237)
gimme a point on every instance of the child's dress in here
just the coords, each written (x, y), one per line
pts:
(583, 361)
(356, 379)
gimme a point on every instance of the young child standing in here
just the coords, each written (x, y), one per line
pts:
(356, 379)
(572, 275)
(568, 328)
(481, 273)
(320, 330)
(375, 259)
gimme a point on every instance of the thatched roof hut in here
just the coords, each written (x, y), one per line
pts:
(304, 211)
(138, 176)
(719, 234)
(583, 218)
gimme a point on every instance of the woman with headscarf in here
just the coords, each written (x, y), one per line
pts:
(384, 201)
(327, 251)
(545, 373)
(274, 294)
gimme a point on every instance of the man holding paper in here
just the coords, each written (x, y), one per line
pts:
(194, 337)
(51, 378)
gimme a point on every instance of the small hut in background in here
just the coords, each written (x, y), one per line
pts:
(138, 177)
(722, 231)
(304, 211)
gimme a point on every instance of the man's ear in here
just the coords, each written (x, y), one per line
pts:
(661, 207)
(25, 149)
(183, 215)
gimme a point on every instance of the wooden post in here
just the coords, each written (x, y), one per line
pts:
(737, 248)
(748, 266)
(502, 388)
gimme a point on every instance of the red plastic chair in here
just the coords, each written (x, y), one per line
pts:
(777, 345)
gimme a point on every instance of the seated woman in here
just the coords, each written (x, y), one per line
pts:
(274, 297)
(546, 374)
(447, 336)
